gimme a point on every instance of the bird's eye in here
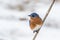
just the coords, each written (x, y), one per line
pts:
(33, 16)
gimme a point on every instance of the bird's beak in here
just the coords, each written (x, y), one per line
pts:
(29, 17)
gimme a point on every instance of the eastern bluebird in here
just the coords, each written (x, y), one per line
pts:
(35, 22)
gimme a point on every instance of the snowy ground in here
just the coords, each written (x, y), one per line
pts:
(11, 28)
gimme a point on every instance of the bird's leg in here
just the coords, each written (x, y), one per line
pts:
(35, 31)
(37, 28)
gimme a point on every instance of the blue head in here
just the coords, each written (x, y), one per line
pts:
(33, 15)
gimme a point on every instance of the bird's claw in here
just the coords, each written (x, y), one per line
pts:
(35, 31)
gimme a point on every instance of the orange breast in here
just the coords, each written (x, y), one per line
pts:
(34, 22)
(32, 25)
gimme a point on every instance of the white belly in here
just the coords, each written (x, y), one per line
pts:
(37, 27)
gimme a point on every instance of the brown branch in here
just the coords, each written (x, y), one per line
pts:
(23, 19)
(44, 18)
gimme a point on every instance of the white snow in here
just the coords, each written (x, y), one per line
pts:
(11, 28)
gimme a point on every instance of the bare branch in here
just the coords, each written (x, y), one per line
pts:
(44, 18)
(23, 19)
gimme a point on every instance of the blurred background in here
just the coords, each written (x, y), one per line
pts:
(14, 20)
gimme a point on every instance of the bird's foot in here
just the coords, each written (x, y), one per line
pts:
(35, 31)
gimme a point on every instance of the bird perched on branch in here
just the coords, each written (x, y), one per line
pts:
(35, 22)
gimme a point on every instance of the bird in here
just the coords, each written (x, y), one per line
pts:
(35, 22)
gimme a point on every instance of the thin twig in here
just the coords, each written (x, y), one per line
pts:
(48, 11)
(23, 19)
